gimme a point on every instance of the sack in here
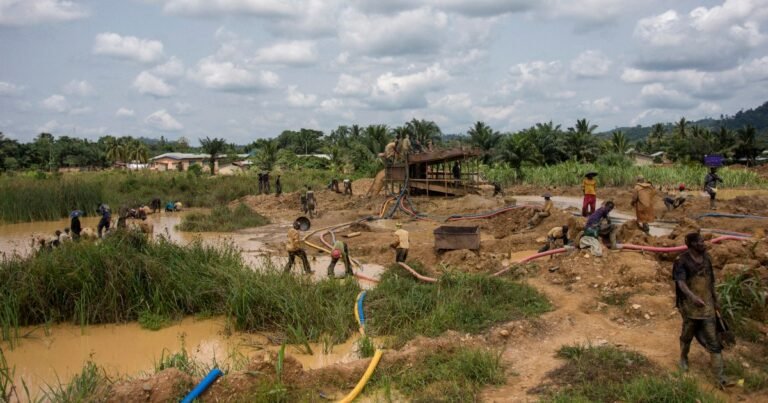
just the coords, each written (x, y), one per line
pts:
(593, 232)
(724, 334)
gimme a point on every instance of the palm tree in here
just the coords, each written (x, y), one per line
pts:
(424, 130)
(515, 149)
(376, 137)
(213, 147)
(137, 151)
(485, 138)
(309, 140)
(355, 132)
(401, 132)
(681, 128)
(549, 141)
(266, 156)
(115, 150)
(748, 146)
(619, 142)
(656, 136)
(339, 136)
(582, 144)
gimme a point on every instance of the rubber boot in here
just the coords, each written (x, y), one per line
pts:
(712, 205)
(646, 228)
(718, 370)
(684, 349)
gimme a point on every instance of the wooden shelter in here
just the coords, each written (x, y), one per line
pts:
(431, 172)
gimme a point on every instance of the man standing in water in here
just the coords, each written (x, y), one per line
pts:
(293, 246)
(106, 218)
(340, 251)
(697, 302)
(75, 224)
(710, 186)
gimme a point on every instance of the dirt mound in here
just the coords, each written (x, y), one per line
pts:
(516, 221)
(684, 226)
(470, 261)
(459, 205)
(360, 186)
(165, 386)
(360, 227)
(757, 205)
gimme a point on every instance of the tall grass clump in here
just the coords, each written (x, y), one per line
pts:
(85, 386)
(222, 219)
(404, 307)
(571, 173)
(608, 374)
(29, 199)
(296, 306)
(115, 281)
(444, 376)
(744, 301)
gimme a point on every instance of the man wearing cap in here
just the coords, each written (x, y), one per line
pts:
(589, 187)
(710, 186)
(541, 213)
(401, 244)
(106, 218)
(642, 200)
(599, 225)
(555, 234)
(347, 187)
(340, 250)
(293, 246)
(75, 224)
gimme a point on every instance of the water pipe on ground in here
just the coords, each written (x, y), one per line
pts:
(203, 385)
(360, 316)
(726, 215)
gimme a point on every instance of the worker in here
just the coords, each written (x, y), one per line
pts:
(710, 186)
(303, 200)
(541, 213)
(405, 147)
(293, 246)
(334, 185)
(430, 145)
(497, 190)
(400, 244)
(261, 182)
(390, 152)
(418, 148)
(696, 300)
(456, 171)
(169, 207)
(347, 187)
(599, 225)
(74, 223)
(266, 182)
(106, 218)
(155, 204)
(589, 188)
(141, 212)
(679, 200)
(643, 196)
(311, 202)
(278, 186)
(146, 227)
(340, 250)
(177, 206)
(554, 235)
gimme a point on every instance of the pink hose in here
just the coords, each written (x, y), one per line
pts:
(489, 215)
(417, 275)
(532, 257)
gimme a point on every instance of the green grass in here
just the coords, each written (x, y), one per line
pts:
(744, 300)
(153, 321)
(403, 307)
(755, 379)
(28, 198)
(85, 386)
(127, 277)
(608, 374)
(365, 347)
(571, 173)
(222, 219)
(444, 376)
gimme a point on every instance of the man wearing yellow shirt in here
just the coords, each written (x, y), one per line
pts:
(541, 213)
(589, 187)
(401, 243)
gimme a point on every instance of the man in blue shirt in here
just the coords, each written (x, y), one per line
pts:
(106, 218)
(599, 224)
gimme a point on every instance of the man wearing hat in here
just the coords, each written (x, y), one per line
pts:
(589, 187)
(293, 246)
(710, 186)
(541, 213)
(340, 250)
(642, 200)
(400, 244)
(75, 224)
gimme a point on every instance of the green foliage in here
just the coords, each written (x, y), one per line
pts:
(83, 387)
(222, 219)
(608, 374)
(742, 298)
(365, 347)
(444, 376)
(403, 307)
(153, 321)
(754, 379)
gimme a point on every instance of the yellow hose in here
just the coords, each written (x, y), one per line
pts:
(364, 380)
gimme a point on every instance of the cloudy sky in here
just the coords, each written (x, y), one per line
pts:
(247, 69)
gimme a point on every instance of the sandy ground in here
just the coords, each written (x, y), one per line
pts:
(574, 282)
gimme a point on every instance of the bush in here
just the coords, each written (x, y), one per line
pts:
(222, 219)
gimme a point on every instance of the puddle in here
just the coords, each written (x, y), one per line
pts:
(129, 350)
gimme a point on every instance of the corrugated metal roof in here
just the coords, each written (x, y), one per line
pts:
(181, 156)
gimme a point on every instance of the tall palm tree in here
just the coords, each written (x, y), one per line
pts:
(376, 137)
(424, 130)
(485, 138)
(115, 150)
(214, 147)
(656, 136)
(137, 151)
(266, 156)
(619, 142)
(549, 141)
(681, 128)
(515, 149)
(582, 143)
(340, 136)
(355, 132)
(748, 146)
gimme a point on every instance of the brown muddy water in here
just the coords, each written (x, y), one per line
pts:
(47, 356)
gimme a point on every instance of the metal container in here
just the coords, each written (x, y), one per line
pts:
(452, 238)
(303, 222)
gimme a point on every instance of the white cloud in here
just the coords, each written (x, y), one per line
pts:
(79, 87)
(227, 76)
(125, 113)
(83, 110)
(30, 12)
(408, 91)
(496, 113)
(599, 106)
(163, 120)
(587, 14)
(299, 99)
(148, 84)
(173, 68)
(711, 39)
(203, 8)
(351, 86)
(536, 76)
(410, 32)
(657, 96)
(50, 126)
(485, 8)
(128, 47)
(8, 89)
(182, 108)
(591, 64)
(295, 53)
(452, 102)
(56, 103)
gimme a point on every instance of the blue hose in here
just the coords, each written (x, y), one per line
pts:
(203, 385)
(724, 215)
(360, 308)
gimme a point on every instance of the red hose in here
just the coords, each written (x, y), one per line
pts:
(532, 257)
(489, 215)
(417, 275)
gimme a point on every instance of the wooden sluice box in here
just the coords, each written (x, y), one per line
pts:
(452, 238)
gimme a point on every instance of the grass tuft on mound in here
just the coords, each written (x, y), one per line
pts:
(222, 219)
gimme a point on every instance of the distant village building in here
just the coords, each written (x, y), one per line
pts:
(178, 161)
(641, 159)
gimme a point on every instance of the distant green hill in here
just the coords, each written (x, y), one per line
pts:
(757, 117)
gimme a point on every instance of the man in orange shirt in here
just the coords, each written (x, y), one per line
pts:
(589, 187)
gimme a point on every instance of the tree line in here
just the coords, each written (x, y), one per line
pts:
(355, 148)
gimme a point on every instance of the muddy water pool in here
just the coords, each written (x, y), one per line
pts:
(45, 356)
